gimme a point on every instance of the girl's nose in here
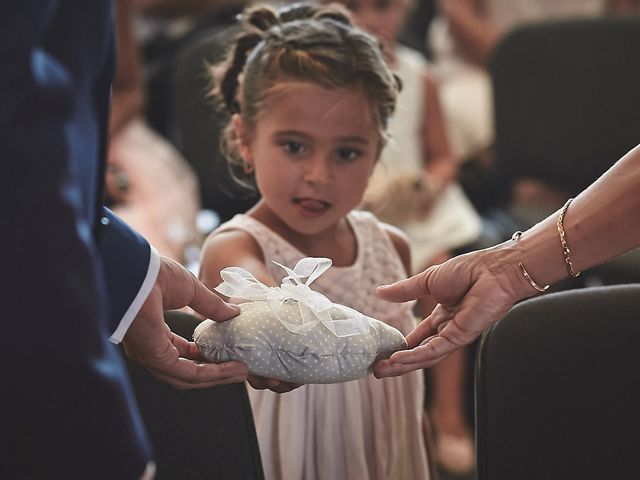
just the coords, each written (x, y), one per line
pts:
(317, 170)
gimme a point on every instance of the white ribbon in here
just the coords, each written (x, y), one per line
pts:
(313, 306)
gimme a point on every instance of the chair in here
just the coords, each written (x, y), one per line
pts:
(566, 98)
(161, 50)
(197, 434)
(200, 126)
(557, 388)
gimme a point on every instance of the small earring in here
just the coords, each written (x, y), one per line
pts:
(247, 168)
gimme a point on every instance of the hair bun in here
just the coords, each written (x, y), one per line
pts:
(296, 11)
(263, 18)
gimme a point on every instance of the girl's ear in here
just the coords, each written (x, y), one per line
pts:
(244, 140)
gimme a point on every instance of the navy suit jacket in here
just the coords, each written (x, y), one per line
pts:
(70, 269)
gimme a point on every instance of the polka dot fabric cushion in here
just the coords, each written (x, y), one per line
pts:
(258, 339)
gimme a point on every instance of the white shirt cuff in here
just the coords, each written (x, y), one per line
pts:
(138, 301)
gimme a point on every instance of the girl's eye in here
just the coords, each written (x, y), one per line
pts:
(294, 148)
(348, 154)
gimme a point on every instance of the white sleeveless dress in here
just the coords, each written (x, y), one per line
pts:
(363, 429)
(452, 221)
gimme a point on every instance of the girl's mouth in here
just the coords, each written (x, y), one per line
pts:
(311, 207)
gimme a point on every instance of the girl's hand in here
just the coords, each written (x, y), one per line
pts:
(402, 199)
(278, 386)
(427, 194)
(456, 8)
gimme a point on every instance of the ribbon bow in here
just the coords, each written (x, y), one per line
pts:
(313, 306)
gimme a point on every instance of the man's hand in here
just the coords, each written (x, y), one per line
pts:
(167, 356)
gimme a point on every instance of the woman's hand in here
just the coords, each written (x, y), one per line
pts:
(472, 292)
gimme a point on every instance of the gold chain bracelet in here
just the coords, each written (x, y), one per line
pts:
(563, 240)
(515, 237)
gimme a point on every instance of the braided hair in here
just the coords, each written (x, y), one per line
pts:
(301, 42)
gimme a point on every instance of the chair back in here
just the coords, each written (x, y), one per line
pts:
(558, 388)
(567, 99)
(200, 127)
(197, 434)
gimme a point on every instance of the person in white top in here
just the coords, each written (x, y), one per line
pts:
(462, 38)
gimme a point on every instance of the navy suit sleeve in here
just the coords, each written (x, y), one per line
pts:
(67, 408)
(130, 269)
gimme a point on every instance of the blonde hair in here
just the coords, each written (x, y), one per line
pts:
(301, 42)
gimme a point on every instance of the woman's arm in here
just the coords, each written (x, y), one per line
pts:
(440, 163)
(400, 243)
(475, 290)
(623, 6)
(601, 223)
(475, 36)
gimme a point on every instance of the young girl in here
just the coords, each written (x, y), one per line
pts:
(310, 98)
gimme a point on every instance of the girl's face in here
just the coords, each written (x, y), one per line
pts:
(313, 150)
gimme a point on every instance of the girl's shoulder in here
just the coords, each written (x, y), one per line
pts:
(367, 220)
(382, 236)
(400, 243)
(226, 246)
(231, 242)
(235, 230)
(246, 242)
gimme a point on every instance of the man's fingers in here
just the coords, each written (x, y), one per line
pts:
(186, 374)
(182, 385)
(179, 288)
(185, 368)
(207, 303)
(410, 289)
(186, 349)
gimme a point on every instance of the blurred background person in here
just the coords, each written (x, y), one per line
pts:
(462, 37)
(178, 41)
(149, 184)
